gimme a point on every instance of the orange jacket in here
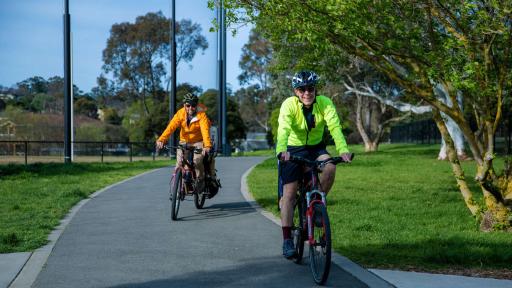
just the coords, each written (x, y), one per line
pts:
(197, 131)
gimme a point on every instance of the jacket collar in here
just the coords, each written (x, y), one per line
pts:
(302, 104)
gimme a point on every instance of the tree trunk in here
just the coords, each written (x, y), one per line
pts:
(467, 195)
(371, 147)
(360, 126)
(495, 189)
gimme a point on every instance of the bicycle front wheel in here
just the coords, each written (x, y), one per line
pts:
(176, 194)
(320, 250)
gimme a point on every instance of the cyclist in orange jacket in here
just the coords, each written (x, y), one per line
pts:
(194, 130)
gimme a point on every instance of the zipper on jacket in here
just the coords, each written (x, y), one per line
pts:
(307, 129)
(306, 121)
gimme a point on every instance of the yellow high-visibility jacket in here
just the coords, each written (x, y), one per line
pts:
(293, 129)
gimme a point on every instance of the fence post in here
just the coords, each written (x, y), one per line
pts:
(131, 151)
(26, 152)
(102, 151)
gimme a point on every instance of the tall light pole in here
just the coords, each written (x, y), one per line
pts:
(68, 90)
(221, 72)
(172, 94)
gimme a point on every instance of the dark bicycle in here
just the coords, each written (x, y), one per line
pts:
(184, 181)
(311, 221)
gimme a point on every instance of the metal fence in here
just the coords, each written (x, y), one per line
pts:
(426, 132)
(421, 132)
(83, 151)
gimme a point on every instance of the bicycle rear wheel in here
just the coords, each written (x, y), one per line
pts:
(176, 194)
(200, 197)
(298, 231)
(320, 250)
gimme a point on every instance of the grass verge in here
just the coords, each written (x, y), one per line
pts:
(400, 208)
(35, 197)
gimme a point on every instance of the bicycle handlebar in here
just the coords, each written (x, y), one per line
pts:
(185, 147)
(321, 163)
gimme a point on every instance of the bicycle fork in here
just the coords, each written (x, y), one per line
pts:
(309, 211)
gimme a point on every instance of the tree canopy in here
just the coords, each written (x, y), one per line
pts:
(136, 53)
(464, 46)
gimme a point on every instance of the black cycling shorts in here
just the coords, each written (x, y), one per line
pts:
(291, 171)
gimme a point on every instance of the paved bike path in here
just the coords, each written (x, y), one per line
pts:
(124, 237)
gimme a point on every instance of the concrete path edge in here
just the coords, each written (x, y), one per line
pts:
(364, 275)
(37, 259)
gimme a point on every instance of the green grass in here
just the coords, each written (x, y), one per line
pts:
(35, 197)
(400, 208)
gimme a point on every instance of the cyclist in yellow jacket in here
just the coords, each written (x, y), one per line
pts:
(194, 130)
(302, 119)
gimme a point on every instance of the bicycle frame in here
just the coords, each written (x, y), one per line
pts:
(187, 166)
(308, 192)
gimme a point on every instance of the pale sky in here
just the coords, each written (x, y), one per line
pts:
(31, 39)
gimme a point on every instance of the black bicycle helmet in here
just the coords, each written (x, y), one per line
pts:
(304, 78)
(191, 98)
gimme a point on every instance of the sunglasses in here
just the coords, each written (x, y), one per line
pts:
(310, 89)
(190, 105)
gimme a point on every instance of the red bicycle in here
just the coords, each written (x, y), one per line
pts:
(311, 221)
(184, 181)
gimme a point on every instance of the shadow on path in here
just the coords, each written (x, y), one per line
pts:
(220, 210)
(251, 273)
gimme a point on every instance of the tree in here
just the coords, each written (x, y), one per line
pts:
(141, 128)
(464, 46)
(255, 100)
(235, 125)
(105, 92)
(32, 85)
(86, 106)
(380, 98)
(110, 116)
(373, 115)
(42, 102)
(136, 52)
(39, 95)
(255, 59)
(253, 107)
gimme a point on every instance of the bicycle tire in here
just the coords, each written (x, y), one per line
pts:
(199, 198)
(320, 251)
(176, 195)
(298, 231)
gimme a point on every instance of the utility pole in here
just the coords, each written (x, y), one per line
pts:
(68, 89)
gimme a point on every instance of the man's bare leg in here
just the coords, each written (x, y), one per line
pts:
(287, 202)
(327, 175)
